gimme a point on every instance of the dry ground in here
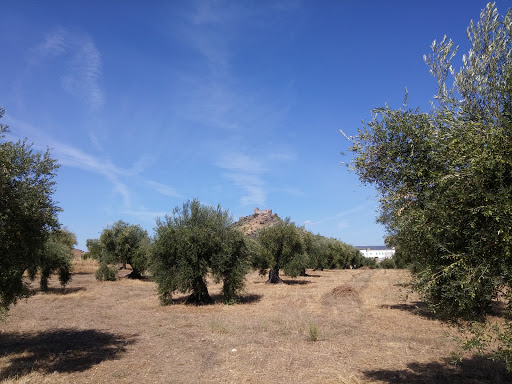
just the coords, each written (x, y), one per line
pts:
(116, 332)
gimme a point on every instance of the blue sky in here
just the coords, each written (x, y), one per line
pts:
(148, 104)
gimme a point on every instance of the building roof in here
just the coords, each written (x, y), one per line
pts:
(374, 247)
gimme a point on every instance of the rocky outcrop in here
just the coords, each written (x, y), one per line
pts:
(249, 225)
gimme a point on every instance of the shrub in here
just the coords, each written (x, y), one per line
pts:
(106, 273)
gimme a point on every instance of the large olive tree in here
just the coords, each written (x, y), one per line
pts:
(445, 176)
(282, 246)
(192, 242)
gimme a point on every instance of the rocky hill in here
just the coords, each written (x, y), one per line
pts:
(249, 225)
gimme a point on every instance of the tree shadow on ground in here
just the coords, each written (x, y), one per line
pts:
(57, 290)
(498, 308)
(309, 275)
(135, 277)
(469, 371)
(417, 308)
(219, 298)
(248, 299)
(296, 282)
(59, 350)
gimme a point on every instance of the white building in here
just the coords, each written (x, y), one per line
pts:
(377, 251)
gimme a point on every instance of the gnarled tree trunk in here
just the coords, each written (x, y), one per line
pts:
(134, 274)
(200, 295)
(273, 276)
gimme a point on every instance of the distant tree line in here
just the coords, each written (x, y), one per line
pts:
(197, 240)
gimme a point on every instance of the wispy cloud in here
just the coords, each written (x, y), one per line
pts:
(95, 141)
(239, 162)
(253, 186)
(144, 215)
(70, 156)
(73, 157)
(290, 191)
(246, 173)
(213, 94)
(219, 100)
(282, 156)
(207, 30)
(343, 224)
(209, 12)
(339, 216)
(141, 164)
(53, 44)
(81, 60)
(85, 68)
(163, 189)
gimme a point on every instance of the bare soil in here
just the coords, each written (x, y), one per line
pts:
(369, 331)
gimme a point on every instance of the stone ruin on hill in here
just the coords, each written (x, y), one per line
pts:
(258, 211)
(261, 218)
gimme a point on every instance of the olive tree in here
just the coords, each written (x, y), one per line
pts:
(120, 243)
(55, 257)
(445, 176)
(328, 252)
(191, 243)
(282, 246)
(315, 247)
(28, 213)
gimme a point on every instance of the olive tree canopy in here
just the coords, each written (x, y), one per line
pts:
(28, 213)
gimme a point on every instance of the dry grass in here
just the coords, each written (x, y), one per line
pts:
(84, 266)
(96, 332)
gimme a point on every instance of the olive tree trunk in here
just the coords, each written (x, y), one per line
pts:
(134, 274)
(200, 295)
(273, 276)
